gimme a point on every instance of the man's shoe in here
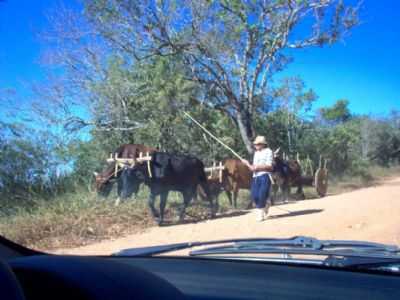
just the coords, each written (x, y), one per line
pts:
(260, 215)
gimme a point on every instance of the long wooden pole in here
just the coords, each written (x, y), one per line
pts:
(219, 141)
(213, 136)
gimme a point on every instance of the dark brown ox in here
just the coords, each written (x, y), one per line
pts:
(105, 179)
(288, 174)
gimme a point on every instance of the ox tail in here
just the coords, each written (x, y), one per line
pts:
(200, 193)
(204, 188)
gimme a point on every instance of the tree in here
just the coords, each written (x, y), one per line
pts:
(26, 162)
(119, 102)
(387, 146)
(293, 104)
(233, 48)
(338, 113)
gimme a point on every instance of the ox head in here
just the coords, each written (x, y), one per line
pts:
(129, 181)
(100, 180)
(103, 185)
(277, 161)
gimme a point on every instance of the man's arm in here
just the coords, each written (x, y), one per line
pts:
(261, 168)
(267, 166)
(248, 164)
(258, 168)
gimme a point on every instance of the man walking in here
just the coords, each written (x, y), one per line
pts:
(261, 183)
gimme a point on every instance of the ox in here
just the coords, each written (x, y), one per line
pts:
(235, 176)
(286, 175)
(169, 172)
(106, 179)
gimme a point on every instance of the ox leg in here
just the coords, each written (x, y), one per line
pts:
(285, 192)
(235, 195)
(187, 197)
(229, 195)
(278, 192)
(250, 204)
(288, 193)
(273, 194)
(151, 200)
(120, 192)
(163, 203)
(214, 207)
(300, 192)
(214, 204)
(186, 201)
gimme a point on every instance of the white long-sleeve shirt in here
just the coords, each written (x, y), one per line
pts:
(262, 157)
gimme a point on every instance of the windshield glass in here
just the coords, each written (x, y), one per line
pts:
(128, 124)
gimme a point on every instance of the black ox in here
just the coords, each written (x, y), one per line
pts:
(168, 172)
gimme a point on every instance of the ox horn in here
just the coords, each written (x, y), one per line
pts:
(277, 150)
(95, 174)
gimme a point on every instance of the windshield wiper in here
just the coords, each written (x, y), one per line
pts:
(154, 250)
(304, 245)
(345, 254)
(337, 253)
(295, 245)
(390, 263)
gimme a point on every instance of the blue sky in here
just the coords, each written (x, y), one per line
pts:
(19, 46)
(365, 69)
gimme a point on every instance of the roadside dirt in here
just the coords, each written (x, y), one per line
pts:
(371, 214)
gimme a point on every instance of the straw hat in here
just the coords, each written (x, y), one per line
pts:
(260, 140)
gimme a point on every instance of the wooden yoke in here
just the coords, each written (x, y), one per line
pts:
(214, 168)
(130, 162)
(221, 168)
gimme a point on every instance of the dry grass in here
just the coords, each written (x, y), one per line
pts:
(82, 218)
(347, 183)
(73, 220)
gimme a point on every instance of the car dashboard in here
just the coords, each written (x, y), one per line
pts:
(74, 277)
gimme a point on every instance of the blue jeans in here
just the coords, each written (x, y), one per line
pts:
(260, 187)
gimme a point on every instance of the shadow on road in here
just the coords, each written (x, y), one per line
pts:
(194, 219)
(296, 213)
(231, 214)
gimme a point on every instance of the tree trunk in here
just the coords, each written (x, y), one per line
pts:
(246, 130)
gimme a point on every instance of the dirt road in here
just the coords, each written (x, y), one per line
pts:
(371, 214)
